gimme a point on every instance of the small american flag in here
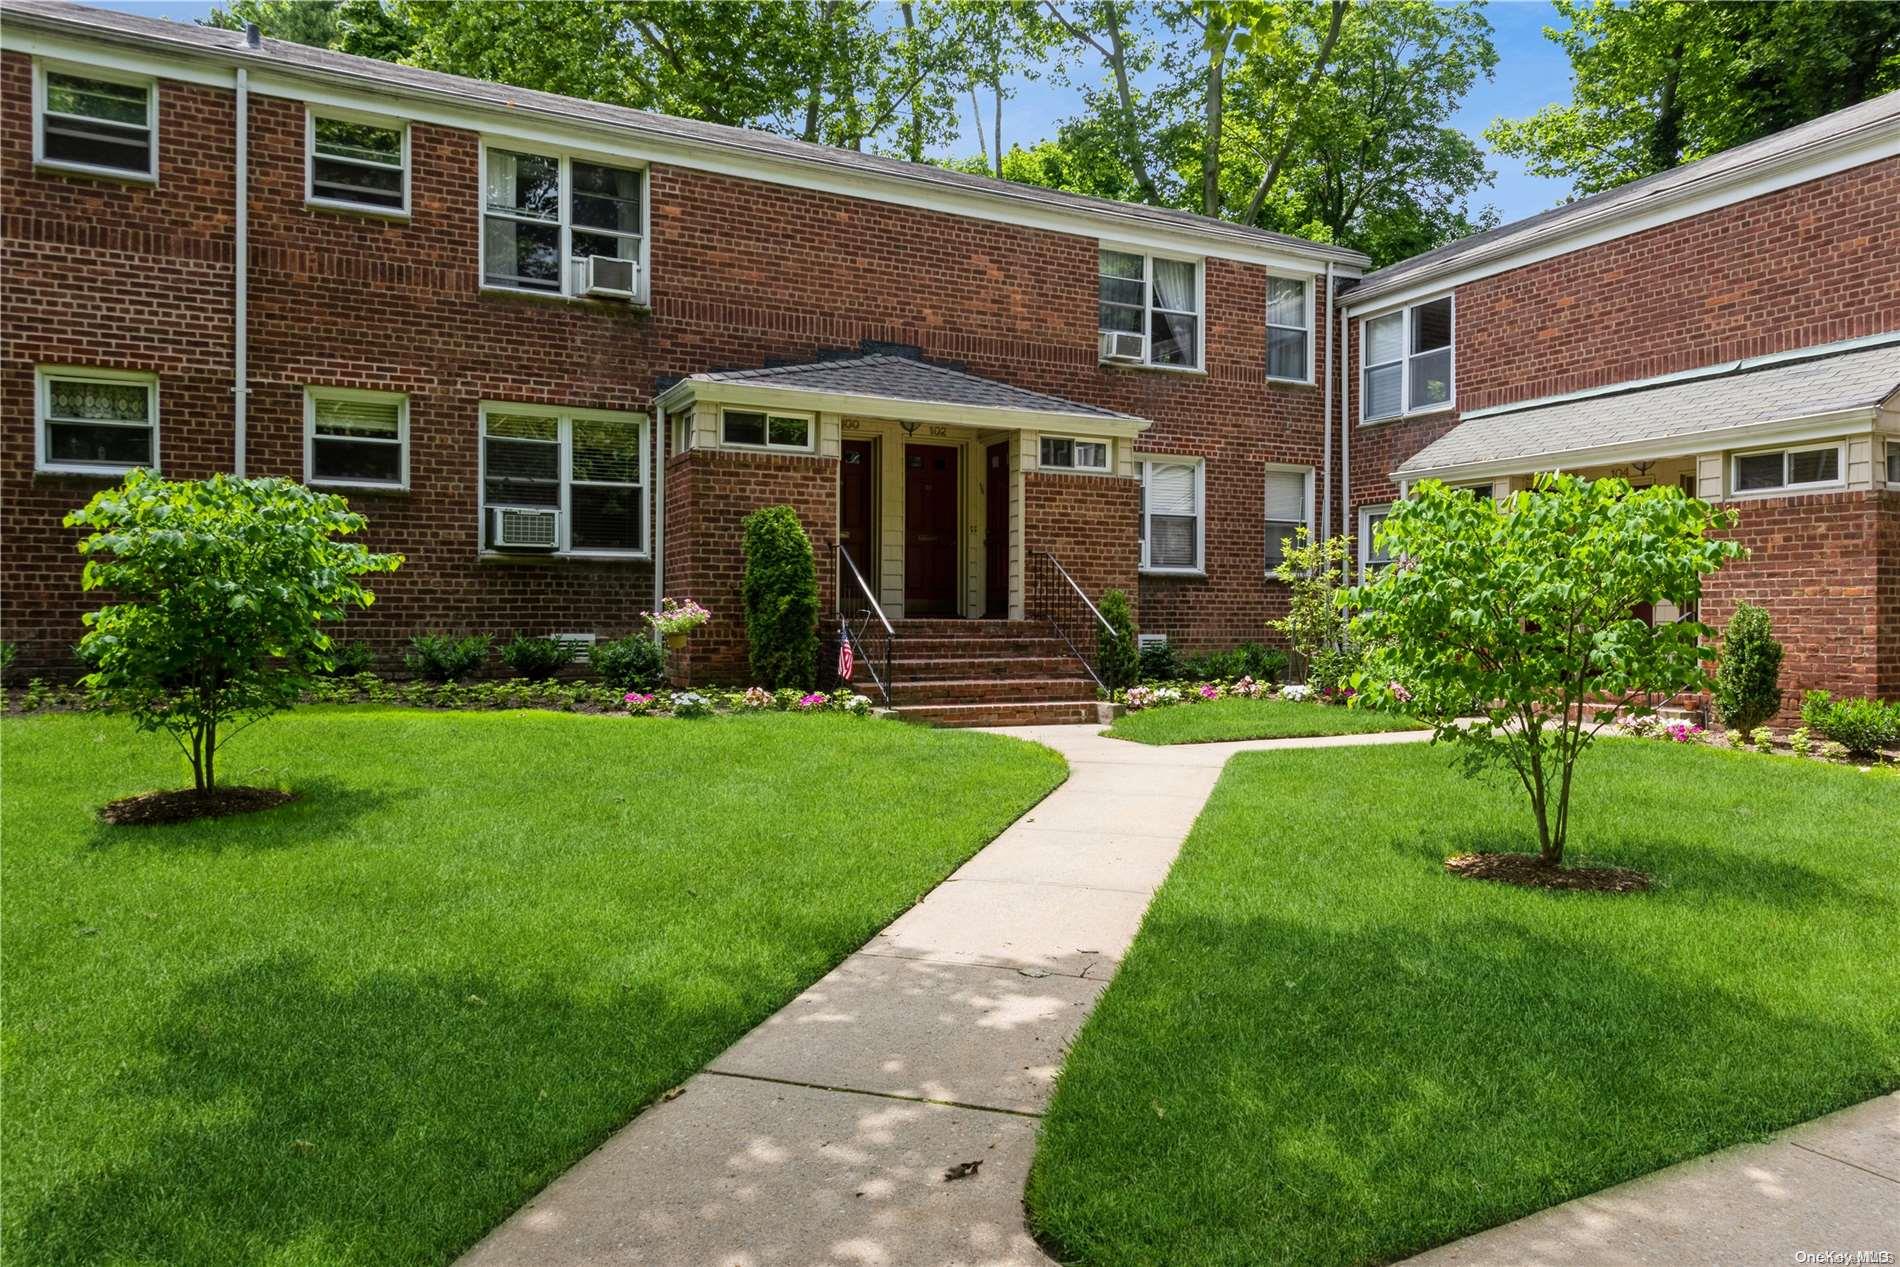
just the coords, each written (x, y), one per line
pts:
(845, 662)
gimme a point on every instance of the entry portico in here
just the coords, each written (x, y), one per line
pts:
(934, 466)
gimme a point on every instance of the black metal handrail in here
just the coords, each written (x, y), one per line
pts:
(1055, 597)
(865, 626)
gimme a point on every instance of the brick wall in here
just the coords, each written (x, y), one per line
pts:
(1887, 583)
(741, 272)
(708, 495)
(1089, 523)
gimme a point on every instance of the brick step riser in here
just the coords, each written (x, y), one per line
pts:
(978, 648)
(969, 670)
(1056, 714)
(999, 691)
(965, 628)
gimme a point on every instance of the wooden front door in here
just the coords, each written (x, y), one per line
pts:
(996, 530)
(930, 530)
(857, 527)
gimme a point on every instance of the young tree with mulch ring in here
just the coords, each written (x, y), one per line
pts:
(1527, 608)
(222, 589)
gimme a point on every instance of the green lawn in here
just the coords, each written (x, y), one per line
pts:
(1323, 1049)
(1221, 720)
(365, 1027)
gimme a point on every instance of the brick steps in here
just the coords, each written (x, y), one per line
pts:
(984, 673)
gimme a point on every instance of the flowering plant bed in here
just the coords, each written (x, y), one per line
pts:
(1801, 742)
(1210, 712)
(677, 618)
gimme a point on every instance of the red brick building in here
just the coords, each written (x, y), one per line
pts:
(556, 351)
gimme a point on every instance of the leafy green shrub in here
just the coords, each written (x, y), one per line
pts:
(1747, 689)
(1119, 660)
(1331, 670)
(7, 654)
(536, 659)
(781, 599)
(1159, 662)
(222, 589)
(1250, 659)
(446, 658)
(1313, 572)
(1859, 725)
(1262, 663)
(347, 659)
(1815, 706)
(630, 664)
(1800, 743)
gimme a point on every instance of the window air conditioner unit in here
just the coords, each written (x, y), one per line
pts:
(1122, 345)
(609, 276)
(518, 529)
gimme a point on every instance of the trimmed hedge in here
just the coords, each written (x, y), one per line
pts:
(780, 590)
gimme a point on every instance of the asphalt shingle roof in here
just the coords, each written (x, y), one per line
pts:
(1782, 391)
(391, 77)
(887, 377)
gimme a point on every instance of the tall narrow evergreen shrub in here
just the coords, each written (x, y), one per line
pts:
(781, 600)
(1118, 657)
(1748, 681)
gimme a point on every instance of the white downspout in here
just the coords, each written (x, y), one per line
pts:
(660, 434)
(240, 307)
(1345, 433)
(1326, 414)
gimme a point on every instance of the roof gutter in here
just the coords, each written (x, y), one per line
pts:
(690, 391)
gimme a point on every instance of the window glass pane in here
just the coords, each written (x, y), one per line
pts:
(1482, 492)
(1057, 452)
(1376, 555)
(1286, 353)
(377, 461)
(108, 445)
(522, 254)
(1286, 495)
(1091, 455)
(606, 450)
(1121, 264)
(1431, 379)
(97, 98)
(1121, 320)
(791, 432)
(1171, 488)
(377, 419)
(106, 402)
(1814, 466)
(525, 184)
(1758, 471)
(1171, 541)
(361, 142)
(1431, 325)
(1279, 531)
(1174, 286)
(113, 145)
(1893, 462)
(1173, 339)
(524, 426)
(523, 460)
(354, 182)
(586, 244)
(744, 428)
(606, 198)
(1383, 385)
(604, 518)
(1286, 302)
(1383, 335)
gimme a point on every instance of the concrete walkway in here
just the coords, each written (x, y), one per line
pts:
(824, 1135)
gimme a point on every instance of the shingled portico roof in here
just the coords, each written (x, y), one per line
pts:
(898, 387)
(1791, 396)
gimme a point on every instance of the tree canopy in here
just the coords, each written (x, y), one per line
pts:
(1660, 83)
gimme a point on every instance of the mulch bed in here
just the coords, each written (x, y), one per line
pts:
(1526, 870)
(156, 809)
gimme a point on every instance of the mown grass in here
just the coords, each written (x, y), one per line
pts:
(1322, 1049)
(365, 1027)
(1223, 720)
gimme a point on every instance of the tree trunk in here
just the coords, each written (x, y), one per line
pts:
(996, 150)
(1132, 147)
(914, 142)
(1210, 156)
(211, 755)
(1665, 140)
(1272, 175)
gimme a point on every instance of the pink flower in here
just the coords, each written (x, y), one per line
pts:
(1210, 691)
(1399, 692)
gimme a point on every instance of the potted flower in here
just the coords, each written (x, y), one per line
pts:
(676, 619)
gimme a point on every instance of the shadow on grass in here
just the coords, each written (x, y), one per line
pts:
(323, 807)
(1264, 1091)
(382, 1122)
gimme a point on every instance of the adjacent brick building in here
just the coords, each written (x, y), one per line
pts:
(556, 351)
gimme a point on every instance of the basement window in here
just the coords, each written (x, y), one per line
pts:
(1062, 453)
(96, 122)
(1789, 469)
(358, 165)
(96, 422)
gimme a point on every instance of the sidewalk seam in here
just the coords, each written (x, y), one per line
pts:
(878, 1095)
(1809, 1148)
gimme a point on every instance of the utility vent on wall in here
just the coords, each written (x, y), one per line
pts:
(1151, 640)
(579, 645)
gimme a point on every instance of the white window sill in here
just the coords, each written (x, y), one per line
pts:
(1152, 367)
(1201, 572)
(58, 167)
(356, 209)
(98, 472)
(1450, 406)
(555, 556)
(360, 486)
(1073, 470)
(1788, 490)
(1291, 382)
(638, 303)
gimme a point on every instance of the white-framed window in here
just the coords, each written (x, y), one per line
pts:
(1173, 520)
(1408, 361)
(1814, 466)
(95, 120)
(1154, 296)
(357, 439)
(1289, 508)
(356, 163)
(766, 429)
(1372, 555)
(1065, 453)
(587, 466)
(1290, 329)
(1893, 463)
(683, 431)
(544, 214)
(94, 422)
(1483, 492)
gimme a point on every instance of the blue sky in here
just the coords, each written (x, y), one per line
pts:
(1532, 72)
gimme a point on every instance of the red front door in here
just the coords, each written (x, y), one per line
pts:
(996, 530)
(930, 530)
(855, 527)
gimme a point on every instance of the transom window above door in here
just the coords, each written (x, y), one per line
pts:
(544, 216)
(1149, 310)
(757, 429)
(1061, 453)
